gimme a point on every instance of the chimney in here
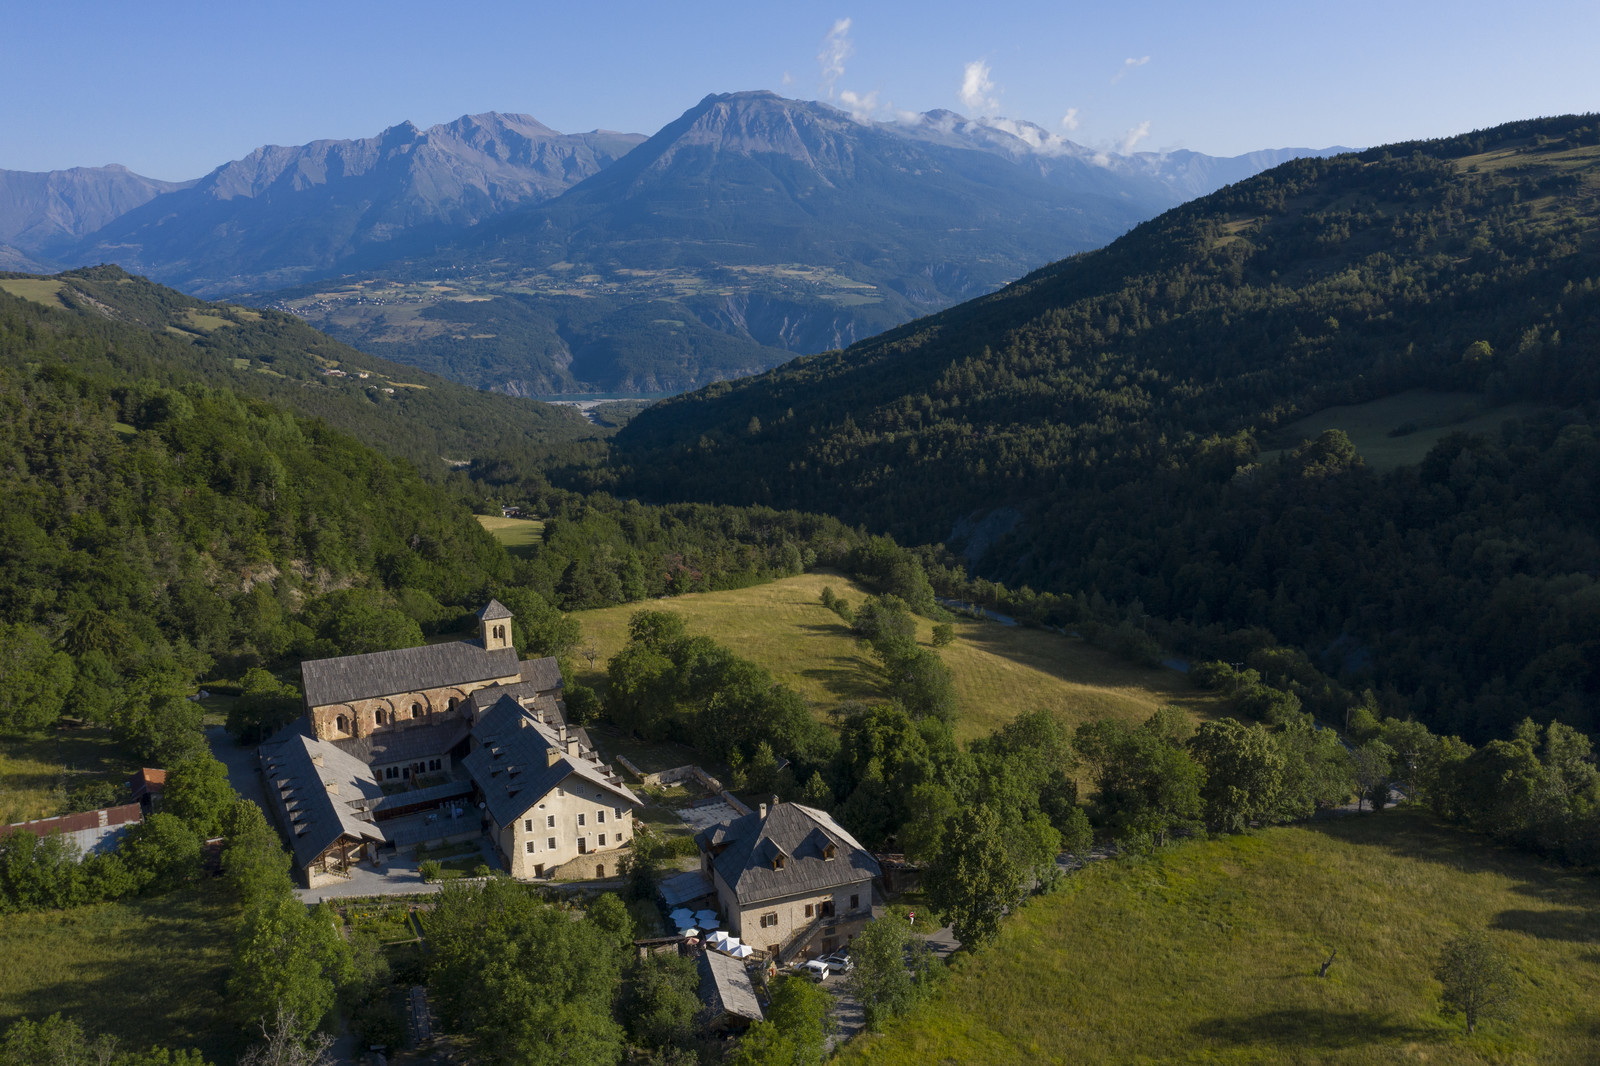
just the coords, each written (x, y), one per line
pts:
(316, 760)
(763, 812)
(554, 756)
(332, 787)
(572, 747)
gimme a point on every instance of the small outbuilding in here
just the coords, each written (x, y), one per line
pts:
(729, 997)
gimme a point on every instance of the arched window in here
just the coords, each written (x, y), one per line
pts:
(453, 702)
(379, 717)
(599, 869)
(341, 723)
(500, 632)
(416, 710)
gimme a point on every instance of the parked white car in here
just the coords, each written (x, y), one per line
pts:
(839, 962)
(815, 969)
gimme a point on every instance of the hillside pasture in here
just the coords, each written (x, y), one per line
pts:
(1425, 417)
(43, 291)
(1000, 671)
(518, 536)
(1209, 952)
(149, 971)
(38, 769)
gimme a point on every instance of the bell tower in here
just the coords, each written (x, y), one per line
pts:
(494, 626)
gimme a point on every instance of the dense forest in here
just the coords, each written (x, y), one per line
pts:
(133, 327)
(1098, 428)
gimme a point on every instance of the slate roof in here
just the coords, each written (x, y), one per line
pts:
(543, 674)
(512, 768)
(799, 834)
(386, 673)
(405, 742)
(493, 611)
(316, 819)
(725, 988)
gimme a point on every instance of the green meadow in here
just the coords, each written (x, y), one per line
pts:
(1209, 952)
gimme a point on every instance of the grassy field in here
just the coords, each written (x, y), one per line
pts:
(1000, 671)
(40, 290)
(1209, 954)
(517, 535)
(1434, 414)
(37, 769)
(150, 971)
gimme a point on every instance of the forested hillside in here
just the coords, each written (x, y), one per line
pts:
(152, 532)
(1097, 428)
(104, 318)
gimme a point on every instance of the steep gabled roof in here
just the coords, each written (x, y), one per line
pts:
(725, 988)
(800, 835)
(543, 674)
(298, 787)
(493, 611)
(386, 673)
(513, 768)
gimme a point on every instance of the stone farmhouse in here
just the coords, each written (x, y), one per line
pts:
(789, 880)
(443, 742)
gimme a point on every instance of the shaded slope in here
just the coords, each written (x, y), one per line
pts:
(147, 330)
(1094, 429)
(751, 226)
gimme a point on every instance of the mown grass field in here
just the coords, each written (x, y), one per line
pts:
(150, 971)
(1209, 952)
(43, 291)
(36, 769)
(517, 535)
(1000, 671)
(1434, 414)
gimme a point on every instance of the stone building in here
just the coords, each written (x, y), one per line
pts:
(443, 742)
(789, 879)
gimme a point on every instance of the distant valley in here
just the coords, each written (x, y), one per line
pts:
(506, 255)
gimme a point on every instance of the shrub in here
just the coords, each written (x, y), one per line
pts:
(431, 870)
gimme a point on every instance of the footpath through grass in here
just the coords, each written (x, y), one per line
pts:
(150, 971)
(1000, 671)
(1209, 952)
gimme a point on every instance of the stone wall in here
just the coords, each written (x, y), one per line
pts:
(362, 715)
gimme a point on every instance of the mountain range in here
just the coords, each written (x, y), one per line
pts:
(505, 254)
(1350, 404)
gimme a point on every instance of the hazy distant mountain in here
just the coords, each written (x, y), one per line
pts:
(42, 213)
(751, 227)
(283, 214)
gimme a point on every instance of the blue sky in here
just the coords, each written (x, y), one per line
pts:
(173, 89)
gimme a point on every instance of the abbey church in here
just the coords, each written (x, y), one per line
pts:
(443, 742)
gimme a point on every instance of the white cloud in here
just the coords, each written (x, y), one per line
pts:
(788, 78)
(1134, 136)
(977, 89)
(1129, 64)
(1069, 121)
(836, 48)
(860, 107)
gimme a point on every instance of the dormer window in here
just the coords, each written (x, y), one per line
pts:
(777, 862)
(827, 851)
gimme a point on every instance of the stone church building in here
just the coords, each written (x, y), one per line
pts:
(443, 742)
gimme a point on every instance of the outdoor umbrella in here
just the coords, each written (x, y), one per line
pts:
(743, 951)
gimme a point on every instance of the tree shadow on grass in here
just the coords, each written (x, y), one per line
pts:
(1311, 1028)
(1572, 896)
(1578, 926)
